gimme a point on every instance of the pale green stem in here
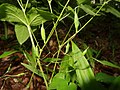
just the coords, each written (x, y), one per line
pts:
(85, 24)
(55, 65)
(27, 23)
(41, 69)
(26, 5)
(55, 25)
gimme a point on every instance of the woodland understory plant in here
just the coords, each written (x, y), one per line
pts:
(75, 70)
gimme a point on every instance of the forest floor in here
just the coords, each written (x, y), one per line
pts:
(101, 36)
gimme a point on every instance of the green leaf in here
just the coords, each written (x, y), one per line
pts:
(10, 13)
(72, 86)
(85, 75)
(67, 48)
(80, 1)
(116, 84)
(113, 11)
(88, 10)
(43, 33)
(21, 33)
(46, 15)
(76, 20)
(64, 64)
(35, 18)
(102, 77)
(83, 71)
(7, 53)
(60, 75)
(30, 59)
(89, 55)
(107, 63)
(58, 84)
(117, 0)
(70, 9)
(33, 69)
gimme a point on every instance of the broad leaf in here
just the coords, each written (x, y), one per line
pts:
(7, 53)
(105, 78)
(83, 1)
(22, 33)
(116, 84)
(72, 86)
(35, 18)
(58, 84)
(113, 11)
(11, 13)
(88, 9)
(46, 15)
(64, 64)
(85, 75)
(83, 71)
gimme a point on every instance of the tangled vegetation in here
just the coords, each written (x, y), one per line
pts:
(47, 32)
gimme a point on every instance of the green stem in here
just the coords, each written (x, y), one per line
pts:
(55, 25)
(41, 69)
(31, 37)
(55, 65)
(85, 24)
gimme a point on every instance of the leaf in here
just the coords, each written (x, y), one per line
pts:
(64, 64)
(67, 48)
(33, 69)
(83, 71)
(30, 58)
(85, 75)
(60, 75)
(35, 18)
(116, 84)
(7, 53)
(117, 0)
(46, 15)
(89, 55)
(113, 11)
(72, 86)
(10, 13)
(43, 33)
(87, 9)
(107, 63)
(21, 33)
(70, 9)
(58, 84)
(80, 1)
(76, 20)
(102, 77)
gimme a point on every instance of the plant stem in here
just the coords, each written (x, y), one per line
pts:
(55, 65)
(85, 24)
(41, 69)
(55, 25)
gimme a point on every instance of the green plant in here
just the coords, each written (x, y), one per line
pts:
(75, 70)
